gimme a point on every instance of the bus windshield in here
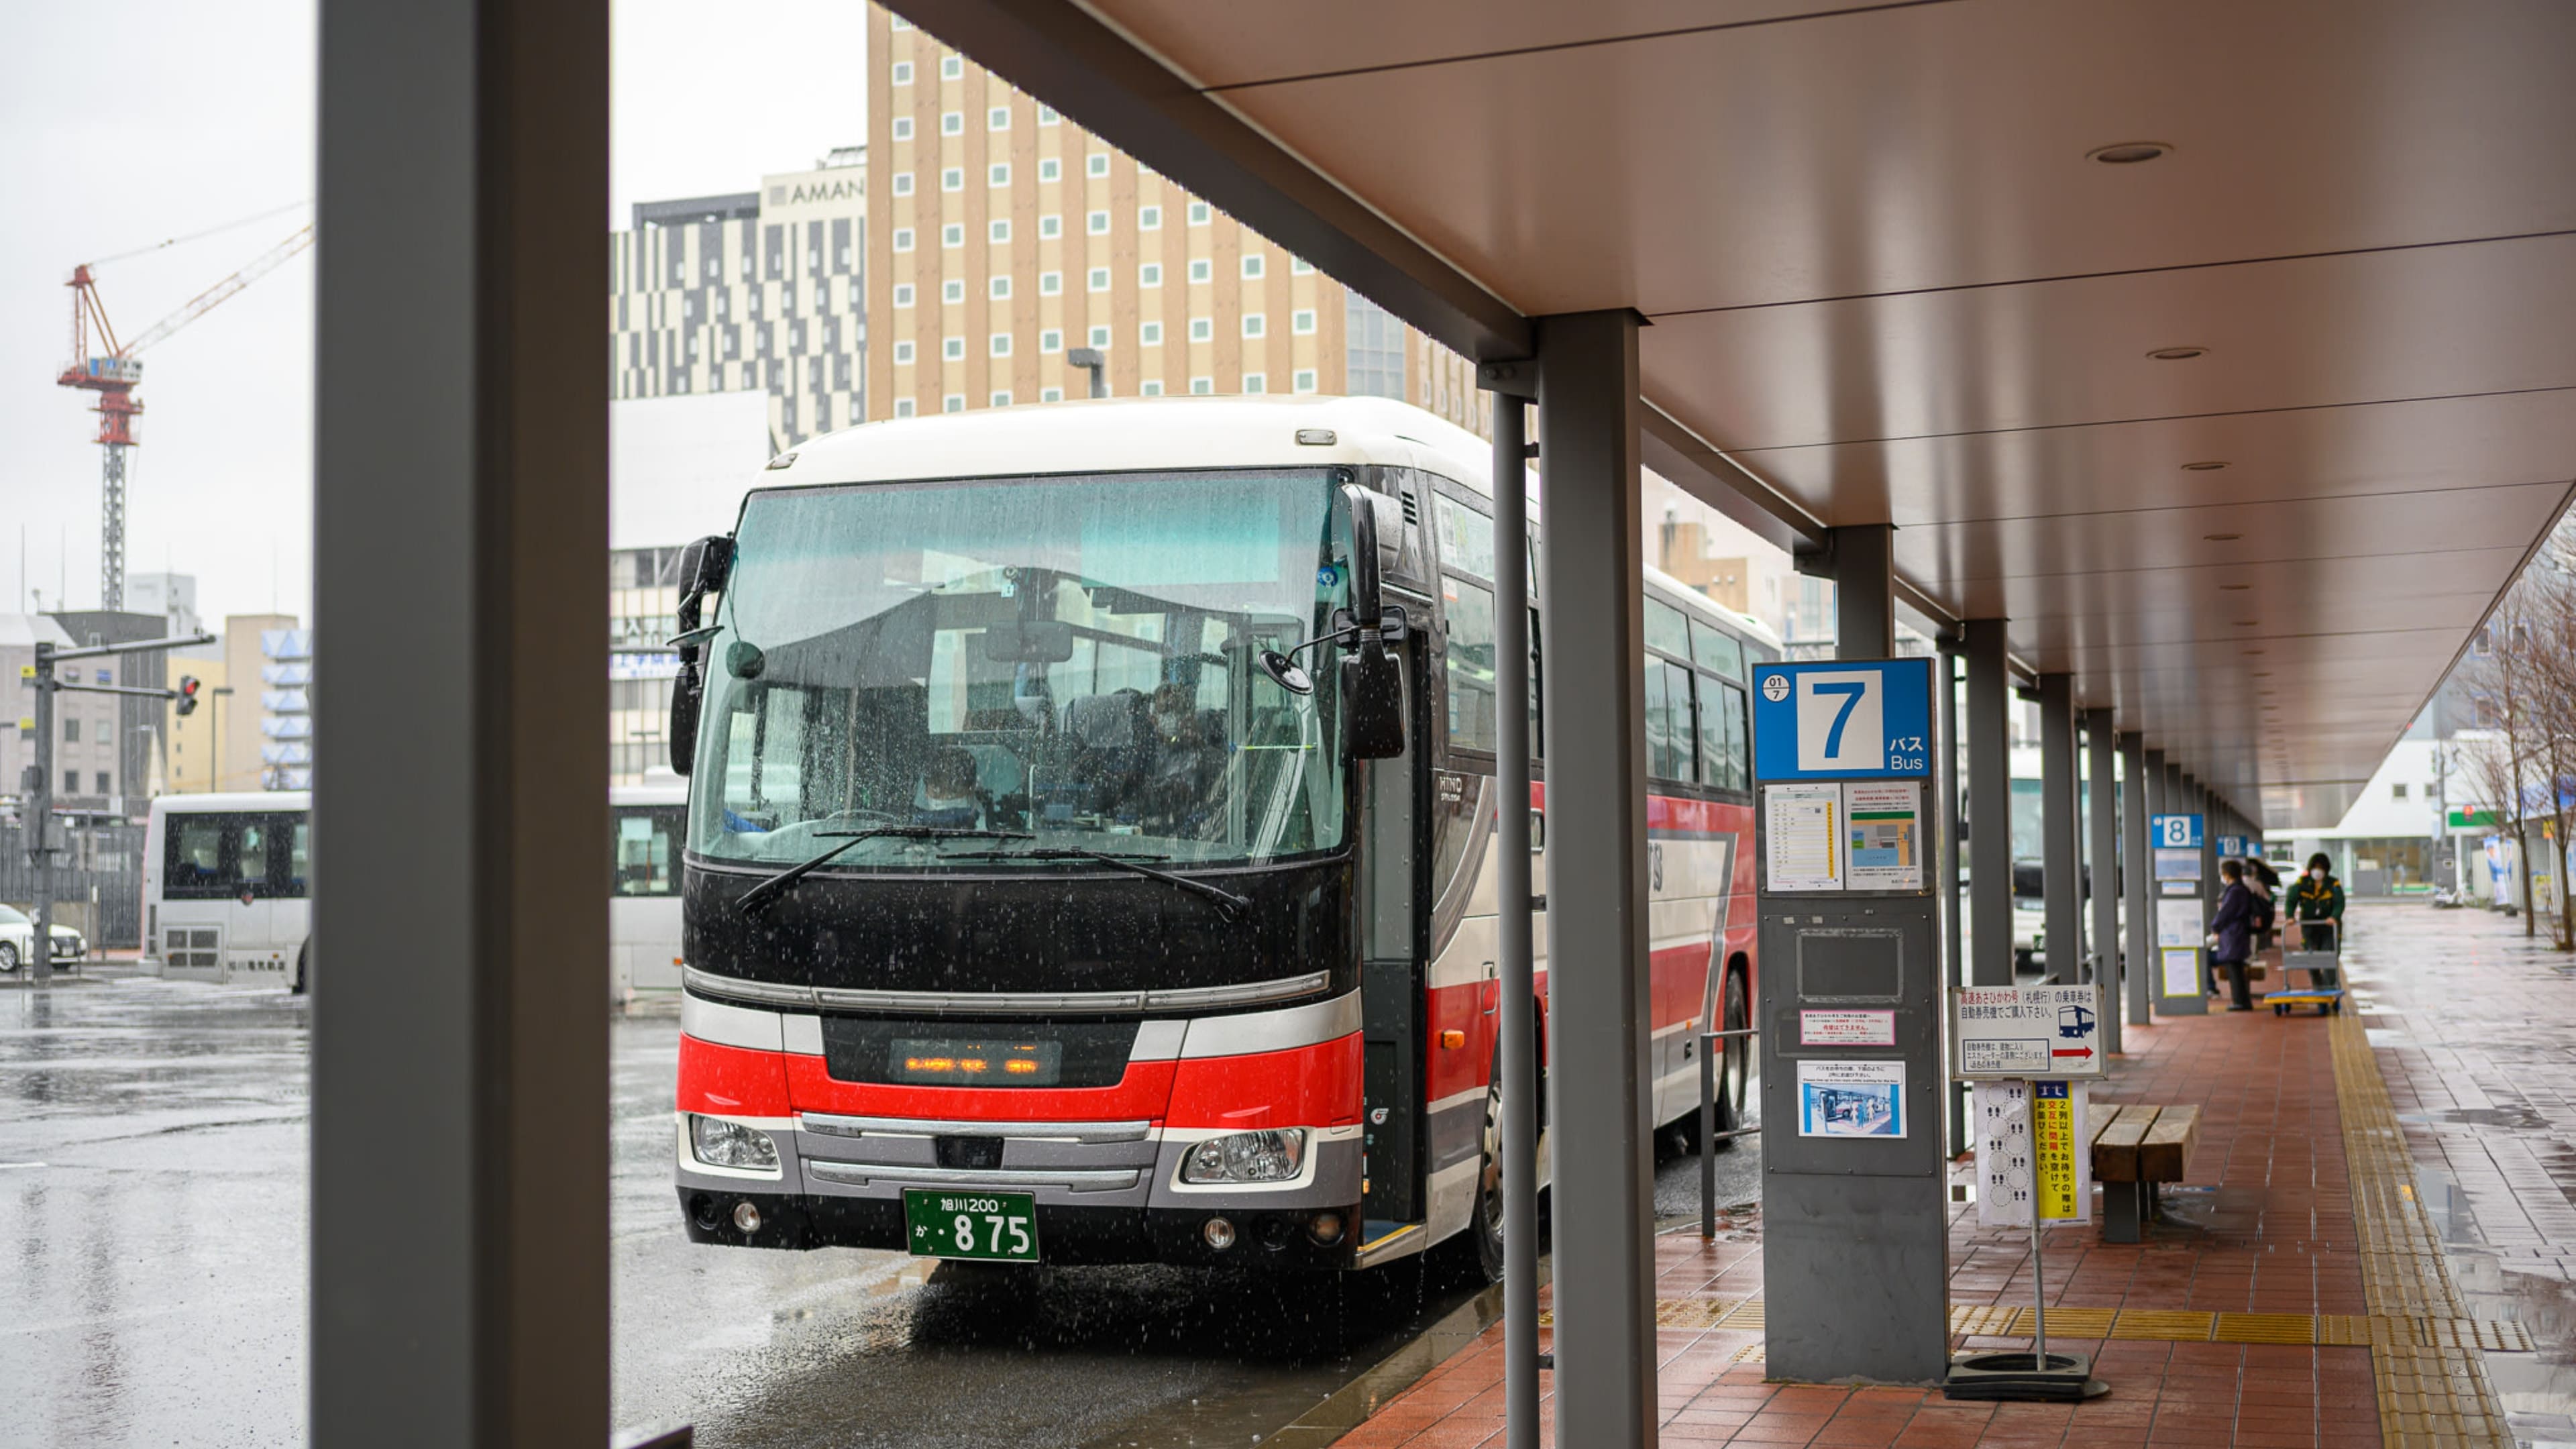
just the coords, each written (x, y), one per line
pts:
(998, 666)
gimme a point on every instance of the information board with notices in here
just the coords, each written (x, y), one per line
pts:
(2026, 1031)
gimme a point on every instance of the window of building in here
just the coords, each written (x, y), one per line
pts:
(71, 733)
(953, 349)
(952, 291)
(99, 779)
(1153, 387)
(952, 123)
(897, 22)
(1300, 267)
(1202, 386)
(1255, 324)
(1100, 279)
(1373, 349)
(1050, 340)
(903, 72)
(1255, 382)
(954, 402)
(998, 174)
(1097, 223)
(71, 782)
(1252, 267)
(1001, 344)
(903, 407)
(1047, 116)
(903, 354)
(1201, 269)
(1149, 218)
(953, 234)
(1202, 330)
(1150, 334)
(952, 67)
(903, 294)
(903, 238)
(1098, 165)
(1100, 338)
(1150, 275)
(1000, 400)
(998, 119)
(1050, 169)
(903, 183)
(953, 179)
(903, 128)
(1302, 323)
(1052, 394)
(2397, 791)
(999, 289)
(1198, 213)
(1305, 380)
(999, 231)
(1050, 227)
(1050, 283)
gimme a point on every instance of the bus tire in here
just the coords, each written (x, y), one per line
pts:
(296, 987)
(1734, 1053)
(1482, 1242)
(8, 958)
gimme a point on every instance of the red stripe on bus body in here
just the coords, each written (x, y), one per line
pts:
(730, 1081)
(1308, 1086)
(1141, 1094)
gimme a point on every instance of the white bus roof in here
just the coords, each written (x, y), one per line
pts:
(234, 800)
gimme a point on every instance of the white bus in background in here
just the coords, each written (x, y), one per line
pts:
(225, 889)
(647, 823)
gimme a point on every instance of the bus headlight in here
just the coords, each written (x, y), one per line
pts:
(719, 1143)
(1273, 1156)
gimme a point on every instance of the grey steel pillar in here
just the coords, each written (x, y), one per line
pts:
(2061, 841)
(1945, 718)
(38, 828)
(1511, 382)
(1990, 929)
(459, 1212)
(2138, 883)
(2102, 827)
(1596, 920)
(1864, 591)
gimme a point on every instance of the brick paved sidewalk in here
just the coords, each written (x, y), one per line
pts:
(2265, 1226)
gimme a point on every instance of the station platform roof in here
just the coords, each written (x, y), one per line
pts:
(2008, 274)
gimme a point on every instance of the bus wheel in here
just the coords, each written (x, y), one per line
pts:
(8, 957)
(296, 987)
(1485, 1220)
(1735, 1055)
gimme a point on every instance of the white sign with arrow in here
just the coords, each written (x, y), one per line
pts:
(2026, 1031)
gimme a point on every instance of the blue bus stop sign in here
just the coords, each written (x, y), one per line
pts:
(1843, 719)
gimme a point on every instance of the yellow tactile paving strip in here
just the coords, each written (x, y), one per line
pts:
(2425, 1354)
(2417, 1334)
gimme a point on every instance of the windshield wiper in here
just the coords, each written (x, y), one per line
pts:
(1232, 902)
(777, 885)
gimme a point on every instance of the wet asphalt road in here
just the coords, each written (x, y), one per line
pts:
(152, 1283)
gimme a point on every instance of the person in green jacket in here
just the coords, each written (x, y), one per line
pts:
(2316, 899)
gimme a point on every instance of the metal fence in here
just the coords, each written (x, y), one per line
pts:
(98, 879)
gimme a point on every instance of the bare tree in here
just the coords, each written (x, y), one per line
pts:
(2499, 763)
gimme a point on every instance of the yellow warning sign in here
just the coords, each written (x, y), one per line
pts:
(2053, 1166)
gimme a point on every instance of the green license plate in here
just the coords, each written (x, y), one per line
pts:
(995, 1226)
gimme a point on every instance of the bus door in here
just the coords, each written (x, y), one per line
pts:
(1394, 887)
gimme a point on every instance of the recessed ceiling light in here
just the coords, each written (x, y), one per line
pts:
(2178, 354)
(2262, 674)
(2222, 537)
(2234, 588)
(2253, 651)
(2247, 623)
(2206, 465)
(2127, 153)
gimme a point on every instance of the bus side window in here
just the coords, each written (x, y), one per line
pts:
(193, 869)
(1470, 664)
(284, 866)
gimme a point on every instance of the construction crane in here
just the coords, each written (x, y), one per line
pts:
(114, 371)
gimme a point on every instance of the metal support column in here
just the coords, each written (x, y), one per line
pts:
(2061, 841)
(2102, 828)
(1512, 382)
(1596, 922)
(2138, 884)
(38, 829)
(1990, 928)
(1945, 717)
(459, 1210)
(1864, 559)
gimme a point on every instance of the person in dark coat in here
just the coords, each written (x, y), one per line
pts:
(2233, 930)
(2316, 899)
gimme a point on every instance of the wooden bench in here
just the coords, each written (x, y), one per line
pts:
(2134, 1148)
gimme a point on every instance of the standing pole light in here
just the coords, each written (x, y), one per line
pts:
(39, 828)
(1511, 384)
(1089, 359)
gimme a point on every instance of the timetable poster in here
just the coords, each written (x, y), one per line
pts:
(1883, 835)
(1801, 849)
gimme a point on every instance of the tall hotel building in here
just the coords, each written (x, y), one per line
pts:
(756, 291)
(1001, 235)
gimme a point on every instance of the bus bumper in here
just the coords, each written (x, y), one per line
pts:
(1264, 1237)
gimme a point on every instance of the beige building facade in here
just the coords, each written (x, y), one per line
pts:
(1001, 237)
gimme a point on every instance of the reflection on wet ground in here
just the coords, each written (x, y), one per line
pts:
(153, 1152)
(2474, 1026)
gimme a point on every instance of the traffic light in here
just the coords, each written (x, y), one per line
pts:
(187, 694)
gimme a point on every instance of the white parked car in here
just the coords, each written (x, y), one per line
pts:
(18, 941)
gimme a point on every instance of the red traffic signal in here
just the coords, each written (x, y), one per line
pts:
(187, 693)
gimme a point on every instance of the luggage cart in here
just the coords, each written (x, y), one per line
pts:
(2324, 990)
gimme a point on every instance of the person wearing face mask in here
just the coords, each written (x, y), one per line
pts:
(2232, 934)
(2315, 900)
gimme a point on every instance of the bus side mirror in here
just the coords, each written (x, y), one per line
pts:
(687, 692)
(1377, 531)
(1373, 696)
(705, 566)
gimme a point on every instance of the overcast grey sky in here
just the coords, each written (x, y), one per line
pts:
(162, 118)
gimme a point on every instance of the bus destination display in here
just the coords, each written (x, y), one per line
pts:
(945, 1061)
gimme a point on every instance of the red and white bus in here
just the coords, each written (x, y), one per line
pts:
(1054, 886)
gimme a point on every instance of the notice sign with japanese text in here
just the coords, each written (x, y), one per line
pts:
(1801, 850)
(2061, 1173)
(1852, 1098)
(2027, 1158)
(1883, 834)
(1846, 1028)
(2181, 970)
(2026, 1031)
